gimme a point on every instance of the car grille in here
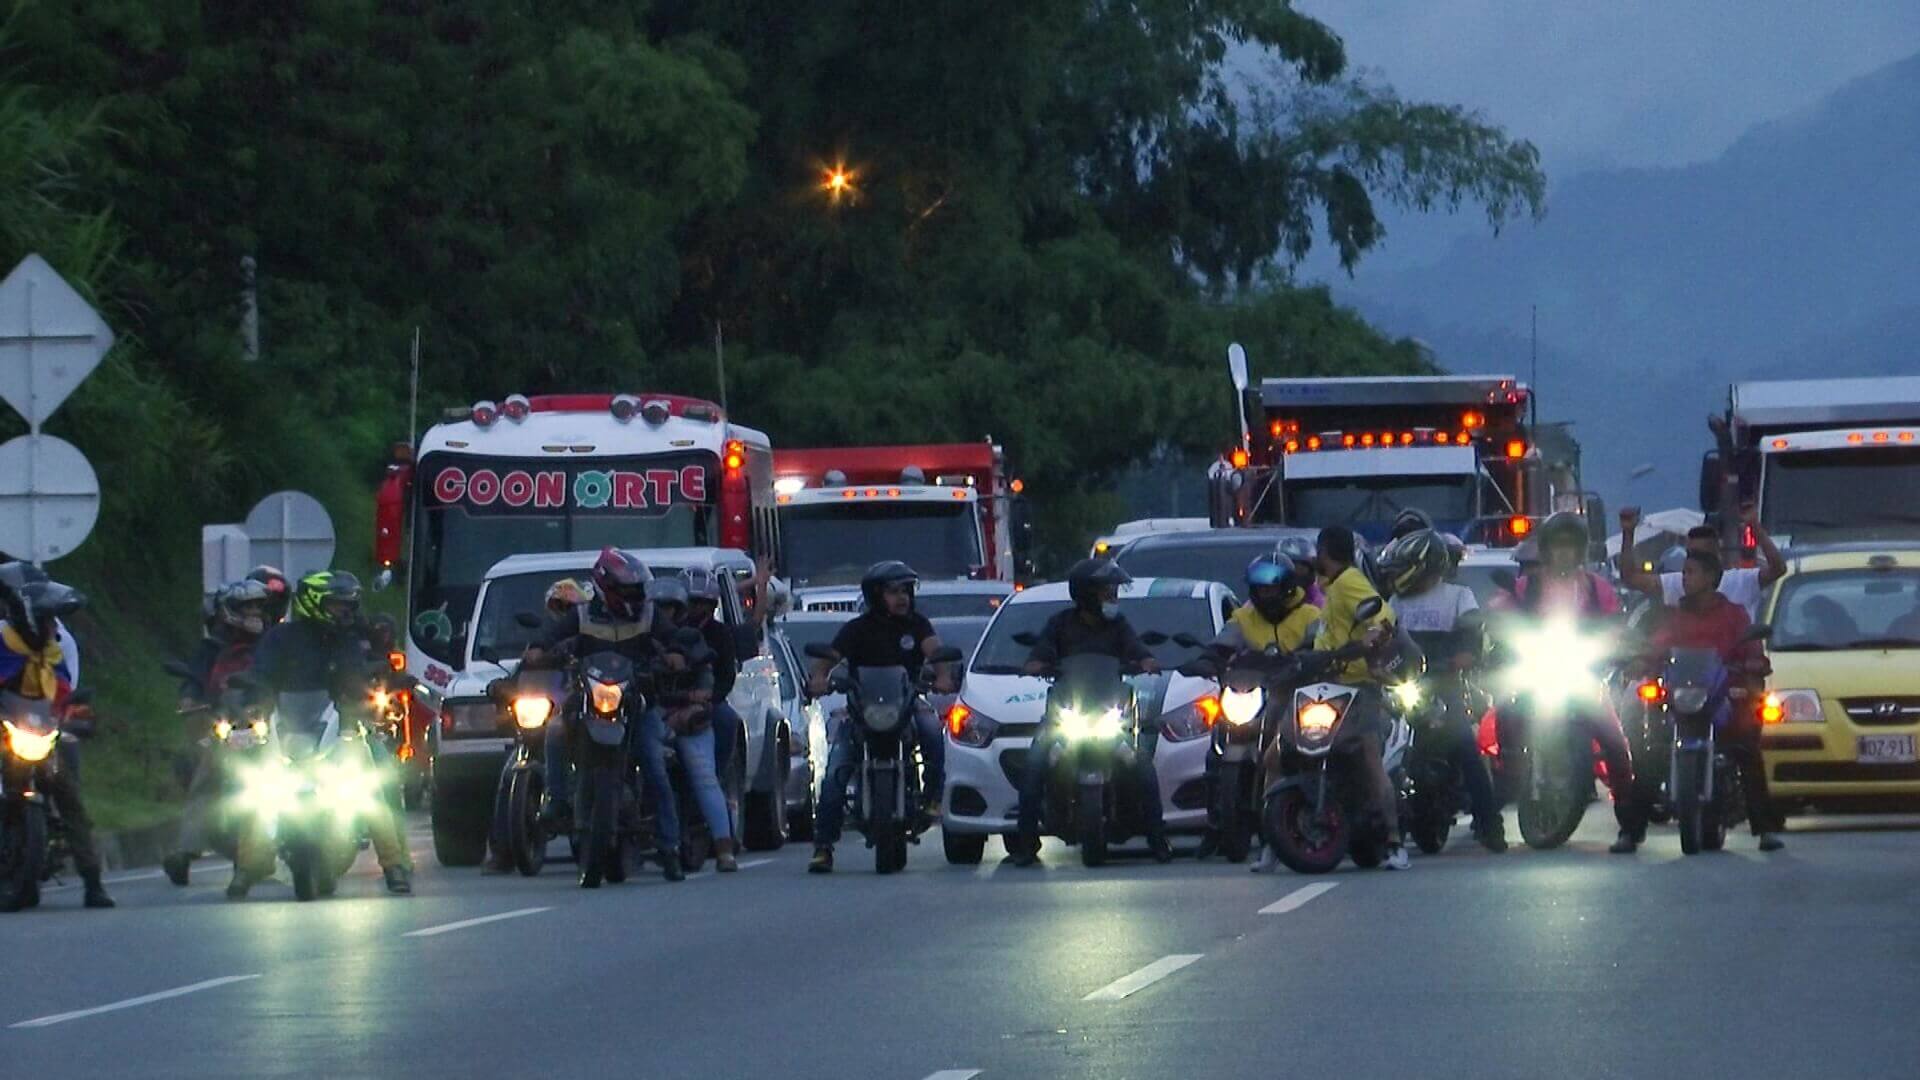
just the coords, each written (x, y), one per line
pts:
(968, 802)
(1882, 710)
(1192, 795)
(830, 605)
(1839, 772)
(1016, 731)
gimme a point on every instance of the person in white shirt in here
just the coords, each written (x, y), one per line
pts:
(1746, 586)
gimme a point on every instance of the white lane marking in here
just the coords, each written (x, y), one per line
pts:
(1298, 898)
(954, 1074)
(144, 999)
(145, 875)
(449, 928)
(1145, 977)
(751, 863)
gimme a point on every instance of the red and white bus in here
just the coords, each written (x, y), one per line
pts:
(561, 472)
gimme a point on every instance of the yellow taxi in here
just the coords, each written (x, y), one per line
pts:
(1841, 717)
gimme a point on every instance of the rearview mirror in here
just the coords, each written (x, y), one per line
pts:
(1153, 637)
(1186, 640)
(1027, 638)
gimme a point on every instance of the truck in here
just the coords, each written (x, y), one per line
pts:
(952, 511)
(1825, 461)
(1358, 451)
(554, 473)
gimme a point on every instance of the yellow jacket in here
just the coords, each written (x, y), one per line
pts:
(1338, 627)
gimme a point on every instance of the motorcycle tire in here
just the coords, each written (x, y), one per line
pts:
(1688, 810)
(963, 849)
(302, 863)
(326, 882)
(1367, 848)
(23, 857)
(1430, 835)
(526, 838)
(1307, 843)
(603, 808)
(1090, 824)
(1551, 820)
(1236, 838)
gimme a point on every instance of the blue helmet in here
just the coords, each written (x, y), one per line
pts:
(1268, 570)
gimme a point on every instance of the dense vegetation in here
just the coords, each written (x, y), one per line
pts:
(1085, 201)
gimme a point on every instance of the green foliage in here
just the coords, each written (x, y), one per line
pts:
(1060, 214)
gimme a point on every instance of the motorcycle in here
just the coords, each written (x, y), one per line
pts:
(1552, 672)
(237, 731)
(532, 696)
(1442, 709)
(1708, 798)
(881, 702)
(1252, 686)
(32, 838)
(1314, 814)
(1649, 730)
(603, 771)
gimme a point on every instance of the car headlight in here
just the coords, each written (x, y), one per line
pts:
(1554, 663)
(531, 711)
(1076, 725)
(1791, 707)
(1190, 721)
(606, 697)
(1409, 695)
(28, 745)
(268, 789)
(1690, 699)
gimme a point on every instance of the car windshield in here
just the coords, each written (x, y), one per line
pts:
(1361, 500)
(943, 605)
(1224, 562)
(834, 543)
(509, 595)
(1848, 609)
(1000, 654)
(1811, 493)
(804, 632)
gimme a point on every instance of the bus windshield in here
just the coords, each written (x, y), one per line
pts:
(471, 513)
(834, 543)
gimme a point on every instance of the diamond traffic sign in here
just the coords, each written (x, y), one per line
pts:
(50, 340)
(49, 498)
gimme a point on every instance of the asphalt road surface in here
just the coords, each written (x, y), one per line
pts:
(1571, 963)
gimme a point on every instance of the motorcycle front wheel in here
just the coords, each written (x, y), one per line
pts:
(1688, 810)
(1090, 824)
(602, 788)
(526, 838)
(1236, 832)
(23, 855)
(1307, 842)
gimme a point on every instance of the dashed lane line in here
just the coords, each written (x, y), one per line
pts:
(1128, 985)
(1298, 898)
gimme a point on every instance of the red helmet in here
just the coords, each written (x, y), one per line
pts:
(620, 581)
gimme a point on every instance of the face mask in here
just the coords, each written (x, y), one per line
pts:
(1109, 611)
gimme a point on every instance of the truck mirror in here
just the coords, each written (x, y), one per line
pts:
(1711, 477)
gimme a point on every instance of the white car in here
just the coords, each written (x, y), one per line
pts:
(934, 599)
(1000, 708)
(472, 737)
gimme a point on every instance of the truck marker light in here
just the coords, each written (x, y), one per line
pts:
(1879, 436)
(1906, 436)
(1855, 438)
(1367, 439)
(1346, 441)
(1473, 420)
(1293, 446)
(1779, 444)
(1519, 526)
(1516, 448)
(1240, 458)
(1313, 442)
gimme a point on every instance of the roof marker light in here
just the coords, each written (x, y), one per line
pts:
(624, 407)
(516, 408)
(484, 414)
(1780, 444)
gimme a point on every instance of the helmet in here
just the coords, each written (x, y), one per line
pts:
(568, 593)
(620, 581)
(701, 583)
(1415, 563)
(279, 590)
(33, 601)
(1562, 528)
(1411, 520)
(242, 607)
(1456, 548)
(1674, 561)
(329, 596)
(1274, 586)
(881, 576)
(1089, 577)
(668, 596)
(1269, 570)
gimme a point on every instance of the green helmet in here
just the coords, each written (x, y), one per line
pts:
(329, 596)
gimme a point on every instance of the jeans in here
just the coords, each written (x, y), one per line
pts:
(830, 812)
(557, 759)
(728, 730)
(1033, 783)
(696, 759)
(1474, 777)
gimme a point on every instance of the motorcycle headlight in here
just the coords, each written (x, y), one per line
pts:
(222, 729)
(1554, 663)
(1076, 725)
(1409, 695)
(380, 699)
(1315, 720)
(532, 710)
(1242, 708)
(259, 729)
(28, 745)
(880, 717)
(268, 789)
(348, 788)
(606, 697)
(1690, 699)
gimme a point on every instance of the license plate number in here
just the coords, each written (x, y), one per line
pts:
(1886, 749)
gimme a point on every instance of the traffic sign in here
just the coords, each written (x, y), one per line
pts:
(291, 530)
(49, 498)
(51, 339)
(226, 554)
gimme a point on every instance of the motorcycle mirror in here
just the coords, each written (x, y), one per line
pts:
(527, 620)
(1154, 637)
(1186, 640)
(81, 697)
(1027, 638)
(948, 655)
(1757, 632)
(177, 669)
(820, 650)
(1368, 608)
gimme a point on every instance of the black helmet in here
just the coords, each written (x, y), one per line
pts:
(33, 601)
(1411, 520)
(1415, 563)
(882, 576)
(668, 592)
(1089, 577)
(620, 581)
(329, 596)
(279, 590)
(1565, 527)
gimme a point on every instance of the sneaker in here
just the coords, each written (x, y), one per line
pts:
(97, 895)
(1397, 858)
(822, 861)
(1493, 837)
(399, 880)
(670, 865)
(1771, 842)
(237, 888)
(1627, 844)
(724, 859)
(177, 866)
(1267, 862)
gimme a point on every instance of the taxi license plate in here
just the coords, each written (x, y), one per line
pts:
(1886, 749)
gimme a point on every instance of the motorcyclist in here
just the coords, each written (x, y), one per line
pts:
(1563, 586)
(1341, 625)
(279, 591)
(1410, 521)
(888, 632)
(240, 619)
(703, 608)
(1431, 609)
(681, 713)
(616, 618)
(1707, 618)
(1093, 624)
(562, 597)
(1743, 585)
(1277, 615)
(1299, 551)
(324, 646)
(33, 666)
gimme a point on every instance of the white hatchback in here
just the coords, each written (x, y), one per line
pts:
(992, 725)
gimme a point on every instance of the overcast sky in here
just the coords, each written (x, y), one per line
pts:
(1608, 83)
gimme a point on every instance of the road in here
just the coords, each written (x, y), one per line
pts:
(1572, 963)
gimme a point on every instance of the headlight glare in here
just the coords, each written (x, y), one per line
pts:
(606, 697)
(532, 710)
(30, 746)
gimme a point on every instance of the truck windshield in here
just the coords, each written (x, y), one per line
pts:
(1870, 493)
(834, 543)
(1359, 500)
(464, 524)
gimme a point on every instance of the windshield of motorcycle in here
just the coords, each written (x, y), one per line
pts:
(608, 667)
(27, 714)
(1693, 667)
(882, 685)
(1090, 681)
(300, 717)
(544, 682)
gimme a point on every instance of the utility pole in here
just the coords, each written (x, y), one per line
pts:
(1533, 376)
(720, 363)
(249, 310)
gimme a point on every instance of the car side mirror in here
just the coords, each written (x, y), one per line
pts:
(527, 620)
